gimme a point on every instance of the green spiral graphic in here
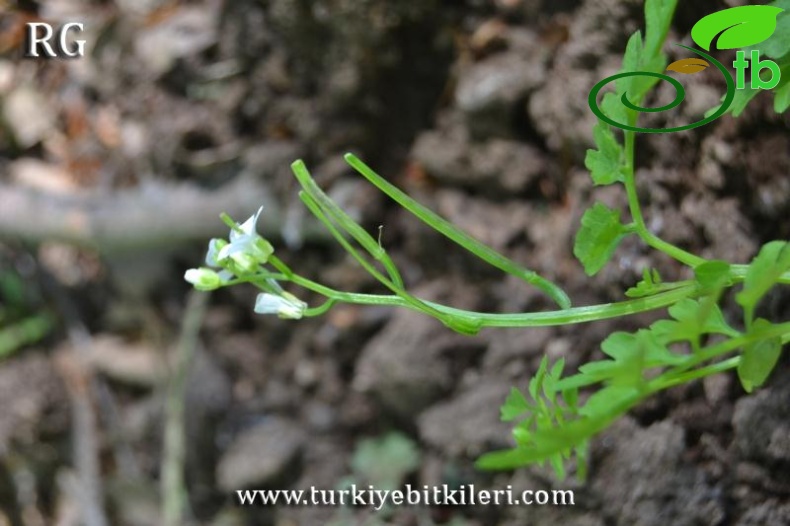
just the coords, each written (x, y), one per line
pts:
(680, 95)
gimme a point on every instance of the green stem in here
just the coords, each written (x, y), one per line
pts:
(635, 208)
(482, 319)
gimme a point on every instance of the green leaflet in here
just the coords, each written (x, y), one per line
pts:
(651, 284)
(632, 354)
(598, 237)
(763, 273)
(515, 405)
(637, 59)
(613, 107)
(758, 359)
(658, 17)
(605, 163)
(692, 319)
(738, 26)
(713, 275)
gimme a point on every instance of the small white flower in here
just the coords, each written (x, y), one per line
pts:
(285, 306)
(246, 248)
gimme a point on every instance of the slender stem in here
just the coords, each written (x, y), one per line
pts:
(173, 457)
(696, 374)
(648, 237)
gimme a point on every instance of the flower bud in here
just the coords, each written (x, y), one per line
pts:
(203, 278)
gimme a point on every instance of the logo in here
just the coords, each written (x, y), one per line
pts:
(737, 27)
(41, 39)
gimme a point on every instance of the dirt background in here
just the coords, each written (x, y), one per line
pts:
(113, 168)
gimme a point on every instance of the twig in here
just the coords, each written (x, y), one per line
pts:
(172, 477)
(86, 458)
(151, 215)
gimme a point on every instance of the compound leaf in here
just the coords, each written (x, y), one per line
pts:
(736, 27)
(598, 237)
(758, 359)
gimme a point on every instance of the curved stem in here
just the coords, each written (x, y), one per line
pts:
(648, 237)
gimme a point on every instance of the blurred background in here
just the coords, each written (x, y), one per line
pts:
(115, 166)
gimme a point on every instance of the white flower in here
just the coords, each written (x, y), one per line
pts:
(246, 248)
(285, 306)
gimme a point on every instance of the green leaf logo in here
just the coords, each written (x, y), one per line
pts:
(736, 27)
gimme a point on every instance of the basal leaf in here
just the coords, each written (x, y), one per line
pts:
(605, 163)
(758, 359)
(598, 237)
(736, 27)
(763, 272)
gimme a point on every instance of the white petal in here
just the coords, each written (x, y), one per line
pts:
(192, 275)
(267, 303)
(248, 227)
